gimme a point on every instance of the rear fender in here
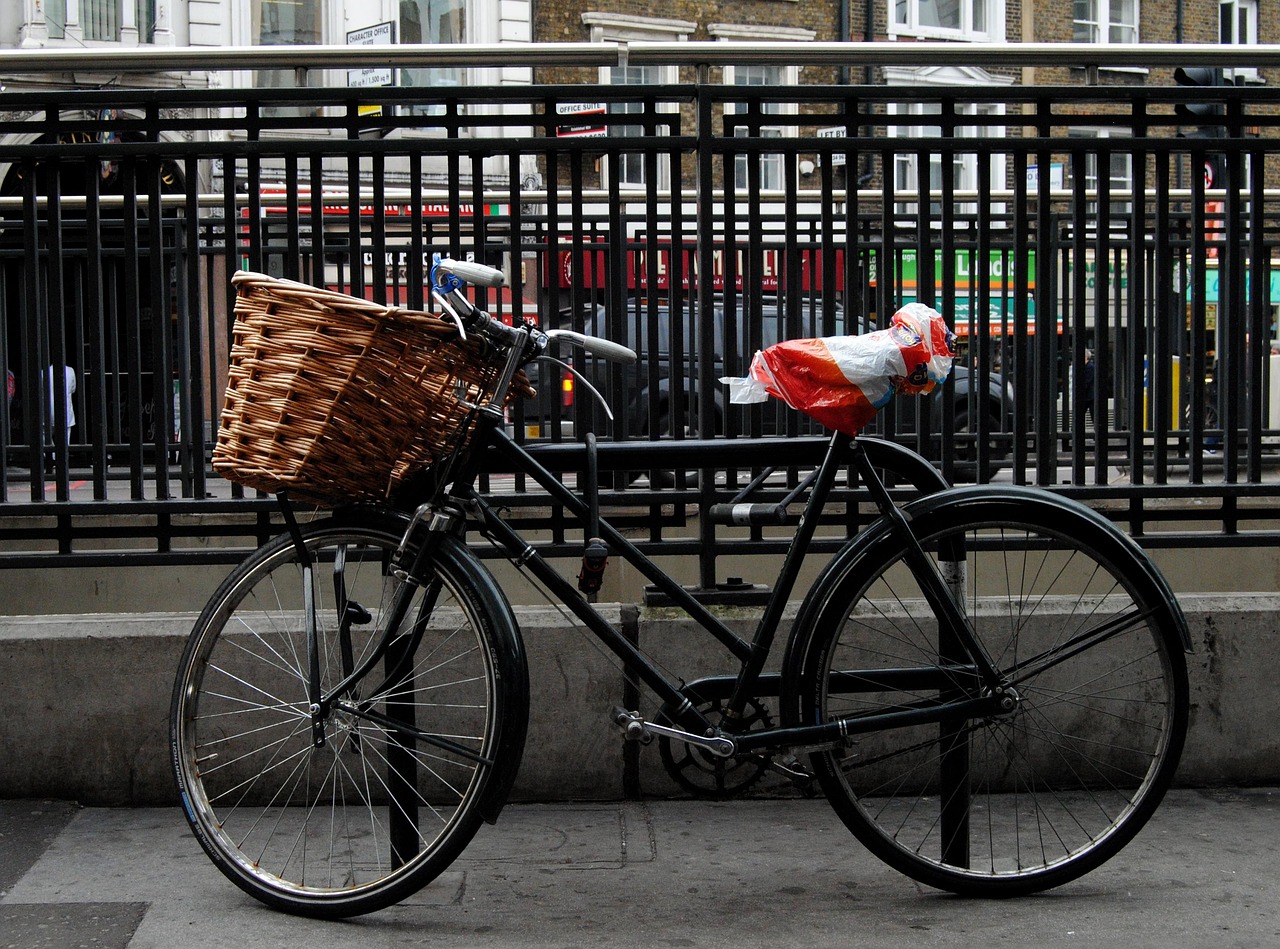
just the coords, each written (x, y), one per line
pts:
(877, 544)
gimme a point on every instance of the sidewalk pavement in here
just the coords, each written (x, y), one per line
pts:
(1204, 873)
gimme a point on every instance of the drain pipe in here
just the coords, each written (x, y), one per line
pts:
(842, 34)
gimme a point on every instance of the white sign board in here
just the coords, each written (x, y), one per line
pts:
(1057, 177)
(380, 34)
(581, 113)
(837, 158)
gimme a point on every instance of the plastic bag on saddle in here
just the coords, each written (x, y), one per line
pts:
(842, 381)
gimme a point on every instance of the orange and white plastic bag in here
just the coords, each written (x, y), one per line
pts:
(842, 381)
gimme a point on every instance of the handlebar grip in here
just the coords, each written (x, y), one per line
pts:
(746, 515)
(481, 275)
(604, 348)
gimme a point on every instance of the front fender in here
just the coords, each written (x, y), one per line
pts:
(506, 650)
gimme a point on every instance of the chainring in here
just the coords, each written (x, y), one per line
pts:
(709, 776)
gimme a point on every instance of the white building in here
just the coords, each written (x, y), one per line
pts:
(109, 23)
(115, 24)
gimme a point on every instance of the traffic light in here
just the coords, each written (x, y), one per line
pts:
(1207, 117)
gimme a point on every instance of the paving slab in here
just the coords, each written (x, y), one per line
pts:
(1205, 872)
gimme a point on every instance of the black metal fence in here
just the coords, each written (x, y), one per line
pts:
(1109, 277)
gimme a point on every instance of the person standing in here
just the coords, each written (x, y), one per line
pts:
(10, 394)
(1090, 382)
(63, 392)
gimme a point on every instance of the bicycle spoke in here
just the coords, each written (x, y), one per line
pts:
(1061, 776)
(341, 809)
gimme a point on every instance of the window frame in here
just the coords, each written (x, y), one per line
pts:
(909, 23)
(1101, 22)
(905, 163)
(772, 166)
(1120, 209)
(129, 26)
(605, 27)
(1249, 9)
(459, 72)
(633, 166)
(261, 78)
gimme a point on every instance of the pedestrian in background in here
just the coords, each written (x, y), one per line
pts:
(62, 392)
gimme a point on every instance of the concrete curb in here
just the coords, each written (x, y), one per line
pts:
(84, 702)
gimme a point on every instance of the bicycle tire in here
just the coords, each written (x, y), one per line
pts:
(373, 814)
(1082, 627)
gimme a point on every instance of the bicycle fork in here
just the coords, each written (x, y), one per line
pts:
(394, 649)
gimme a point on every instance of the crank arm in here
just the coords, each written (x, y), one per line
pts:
(635, 728)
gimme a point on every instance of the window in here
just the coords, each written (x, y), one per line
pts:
(432, 21)
(1239, 21)
(55, 16)
(772, 168)
(1106, 21)
(284, 23)
(771, 163)
(987, 122)
(103, 20)
(100, 19)
(1116, 163)
(146, 20)
(972, 20)
(631, 165)
(963, 164)
(1238, 24)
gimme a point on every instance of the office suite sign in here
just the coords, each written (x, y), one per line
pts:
(581, 120)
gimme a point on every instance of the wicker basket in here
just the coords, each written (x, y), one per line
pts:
(335, 398)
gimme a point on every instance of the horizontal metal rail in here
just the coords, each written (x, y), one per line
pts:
(153, 59)
(343, 199)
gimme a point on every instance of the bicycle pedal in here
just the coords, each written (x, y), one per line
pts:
(594, 560)
(793, 770)
(632, 725)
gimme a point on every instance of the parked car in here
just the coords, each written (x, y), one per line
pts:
(661, 390)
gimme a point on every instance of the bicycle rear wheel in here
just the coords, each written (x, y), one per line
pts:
(352, 813)
(1086, 638)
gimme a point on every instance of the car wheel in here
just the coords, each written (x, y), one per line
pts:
(967, 450)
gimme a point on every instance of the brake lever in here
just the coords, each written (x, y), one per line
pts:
(581, 378)
(444, 303)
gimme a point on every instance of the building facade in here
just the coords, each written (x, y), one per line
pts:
(972, 21)
(220, 23)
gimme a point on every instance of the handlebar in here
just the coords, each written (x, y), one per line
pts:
(447, 279)
(481, 275)
(604, 348)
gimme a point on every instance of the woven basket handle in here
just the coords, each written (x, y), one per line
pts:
(304, 294)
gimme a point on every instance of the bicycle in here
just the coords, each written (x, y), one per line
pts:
(988, 683)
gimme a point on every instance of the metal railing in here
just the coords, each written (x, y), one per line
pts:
(40, 62)
(697, 222)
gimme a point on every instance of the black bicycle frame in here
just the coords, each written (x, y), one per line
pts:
(960, 648)
(961, 654)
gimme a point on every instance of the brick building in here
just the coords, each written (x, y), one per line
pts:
(975, 21)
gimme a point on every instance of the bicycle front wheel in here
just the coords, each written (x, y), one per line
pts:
(346, 812)
(1087, 643)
